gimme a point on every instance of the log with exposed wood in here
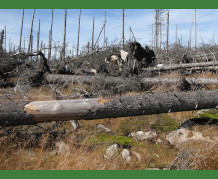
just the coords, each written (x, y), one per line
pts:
(181, 66)
(28, 113)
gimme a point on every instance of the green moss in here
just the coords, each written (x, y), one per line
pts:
(165, 123)
(136, 123)
(108, 139)
(207, 116)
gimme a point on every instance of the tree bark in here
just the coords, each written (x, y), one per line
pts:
(53, 78)
(27, 113)
(182, 66)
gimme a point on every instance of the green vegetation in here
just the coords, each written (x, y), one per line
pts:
(207, 116)
(104, 138)
(164, 123)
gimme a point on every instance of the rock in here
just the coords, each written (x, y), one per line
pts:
(152, 169)
(126, 156)
(29, 154)
(187, 124)
(159, 141)
(140, 135)
(62, 147)
(100, 126)
(138, 156)
(76, 124)
(111, 151)
(182, 135)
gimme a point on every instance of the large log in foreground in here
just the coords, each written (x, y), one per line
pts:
(27, 113)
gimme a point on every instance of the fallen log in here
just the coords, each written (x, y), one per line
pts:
(53, 78)
(27, 113)
(191, 81)
(181, 66)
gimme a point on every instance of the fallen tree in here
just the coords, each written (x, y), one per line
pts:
(181, 66)
(53, 78)
(28, 113)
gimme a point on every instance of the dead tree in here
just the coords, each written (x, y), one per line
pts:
(29, 113)
(77, 49)
(168, 24)
(38, 36)
(195, 30)
(123, 29)
(21, 31)
(182, 66)
(50, 35)
(1, 41)
(31, 33)
(64, 41)
(93, 31)
(56, 78)
(104, 28)
(5, 39)
(99, 34)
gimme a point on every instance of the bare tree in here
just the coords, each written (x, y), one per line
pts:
(77, 49)
(21, 31)
(31, 33)
(195, 30)
(38, 37)
(123, 28)
(50, 36)
(93, 31)
(5, 39)
(104, 28)
(64, 41)
(168, 24)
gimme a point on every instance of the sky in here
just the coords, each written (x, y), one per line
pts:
(140, 20)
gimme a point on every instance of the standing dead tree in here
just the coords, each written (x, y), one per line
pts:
(93, 31)
(50, 35)
(64, 41)
(21, 31)
(1, 41)
(168, 24)
(123, 29)
(31, 34)
(28, 113)
(77, 49)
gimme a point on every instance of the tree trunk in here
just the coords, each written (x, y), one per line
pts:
(27, 113)
(53, 78)
(77, 49)
(31, 32)
(182, 66)
(21, 31)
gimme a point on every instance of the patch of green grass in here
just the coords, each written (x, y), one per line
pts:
(164, 123)
(110, 139)
(136, 123)
(207, 115)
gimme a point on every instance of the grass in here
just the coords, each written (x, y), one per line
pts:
(87, 145)
(111, 139)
